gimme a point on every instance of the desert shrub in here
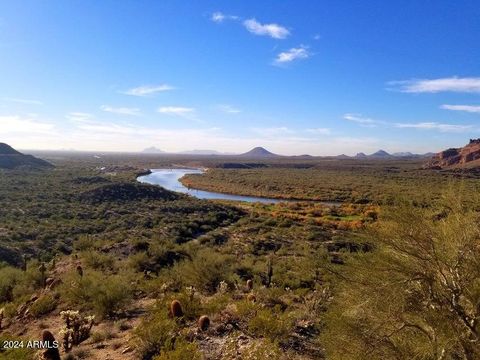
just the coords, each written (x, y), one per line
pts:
(265, 349)
(205, 271)
(105, 294)
(182, 350)
(155, 333)
(270, 323)
(99, 336)
(98, 260)
(44, 305)
(9, 278)
(416, 295)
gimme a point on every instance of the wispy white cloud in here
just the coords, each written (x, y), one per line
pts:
(292, 54)
(228, 109)
(427, 125)
(23, 101)
(451, 84)
(176, 110)
(78, 116)
(17, 124)
(121, 110)
(220, 17)
(273, 30)
(450, 128)
(147, 90)
(467, 108)
(364, 121)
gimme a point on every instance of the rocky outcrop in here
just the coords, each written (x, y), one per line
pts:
(464, 157)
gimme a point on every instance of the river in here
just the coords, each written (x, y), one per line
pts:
(169, 179)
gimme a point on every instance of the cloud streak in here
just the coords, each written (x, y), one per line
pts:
(121, 110)
(451, 84)
(363, 121)
(427, 125)
(466, 108)
(450, 128)
(176, 110)
(228, 109)
(147, 90)
(23, 101)
(220, 17)
(78, 116)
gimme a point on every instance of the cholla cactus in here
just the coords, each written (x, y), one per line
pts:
(164, 288)
(222, 288)
(190, 291)
(77, 328)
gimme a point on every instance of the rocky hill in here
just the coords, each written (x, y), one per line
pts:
(13, 159)
(464, 157)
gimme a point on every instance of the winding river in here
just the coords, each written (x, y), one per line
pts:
(169, 179)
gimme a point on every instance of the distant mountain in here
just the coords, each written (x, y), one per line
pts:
(380, 154)
(361, 155)
(153, 150)
(342, 156)
(403, 154)
(258, 152)
(464, 157)
(12, 159)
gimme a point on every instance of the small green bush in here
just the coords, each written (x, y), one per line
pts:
(44, 305)
(183, 350)
(105, 294)
(155, 333)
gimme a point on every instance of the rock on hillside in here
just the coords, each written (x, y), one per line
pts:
(464, 157)
(13, 159)
(127, 192)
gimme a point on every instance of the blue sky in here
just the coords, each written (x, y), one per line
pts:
(318, 77)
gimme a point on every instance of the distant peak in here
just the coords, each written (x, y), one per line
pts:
(153, 150)
(380, 153)
(259, 152)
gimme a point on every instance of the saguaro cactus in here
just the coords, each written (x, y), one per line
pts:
(43, 269)
(80, 271)
(269, 271)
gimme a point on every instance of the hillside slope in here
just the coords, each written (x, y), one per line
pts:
(12, 159)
